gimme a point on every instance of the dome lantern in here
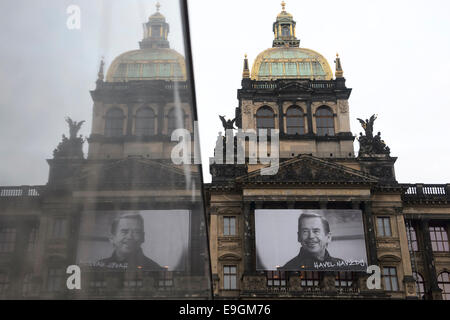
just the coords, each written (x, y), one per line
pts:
(156, 31)
(284, 30)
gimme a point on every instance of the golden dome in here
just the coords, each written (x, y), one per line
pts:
(148, 64)
(290, 63)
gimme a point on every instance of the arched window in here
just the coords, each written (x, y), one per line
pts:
(265, 118)
(444, 284)
(295, 121)
(145, 122)
(324, 122)
(114, 123)
(420, 284)
(175, 120)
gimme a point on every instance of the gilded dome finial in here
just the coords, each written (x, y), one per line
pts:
(246, 71)
(157, 6)
(339, 72)
(283, 5)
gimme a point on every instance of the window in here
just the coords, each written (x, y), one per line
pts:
(229, 226)
(7, 240)
(4, 283)
(384, 226)
(295, 121)
(55, 279)
(344, 279)
(324, 122)
(439, 239)
(420, 284)
(309, 278)
(285, 31)
(59, 228)
(132, 284)
(230, 277)
(412, 238)
(32, 239)
(114, 123)
(444, 284)
(265, 118)
(145, 122)
(390, 279)
(27, 285)
(276, 278)
(166, 280)
(175, 119)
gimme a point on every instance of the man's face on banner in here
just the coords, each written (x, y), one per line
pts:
(313, 237)
(128, 237)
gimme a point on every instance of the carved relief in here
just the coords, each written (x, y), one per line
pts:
(343, 106)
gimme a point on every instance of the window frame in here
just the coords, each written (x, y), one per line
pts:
(279, 276)
(228, 277)
(382, 232)
(262, 117)
(442, 244)
(140, 121)
(111, 130)
(420, 284)
(322, 128)
(225, 232)
(444, 284)
(300, 117)
(391, 279)
(8, 242)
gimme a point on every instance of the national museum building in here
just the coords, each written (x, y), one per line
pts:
(133, 219)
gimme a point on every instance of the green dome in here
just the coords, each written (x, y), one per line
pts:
(290, 63)
(148, 64)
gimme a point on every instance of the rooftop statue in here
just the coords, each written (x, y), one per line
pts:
(368, 144)
(71, 147)
(227, 124)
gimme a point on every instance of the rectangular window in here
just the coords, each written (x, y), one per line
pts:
(439, 239)
(59, 229)
(384, 227)
(412, 238)
(344, 279)
(276, 278)
(309, 278)
(390, 279)
(229, 226)
(166, 280)
(4, 283)
(230, 277)
(32, 239)
(7, 240)
(55, 279)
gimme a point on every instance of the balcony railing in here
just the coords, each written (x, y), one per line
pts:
(21, 191)
(426, 191)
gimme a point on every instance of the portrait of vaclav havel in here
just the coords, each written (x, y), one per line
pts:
(314, 240)
(132, 240)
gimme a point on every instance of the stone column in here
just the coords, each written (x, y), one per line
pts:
(370, 232)
(309, 116)
(434, 292)
(281, 118)
(249, 238)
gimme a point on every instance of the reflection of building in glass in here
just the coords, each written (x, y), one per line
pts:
(405, 226)
(128, 170)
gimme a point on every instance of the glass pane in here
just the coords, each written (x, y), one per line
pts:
(102, 197)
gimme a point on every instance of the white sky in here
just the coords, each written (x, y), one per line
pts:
(395, 56)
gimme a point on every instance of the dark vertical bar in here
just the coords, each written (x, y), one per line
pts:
(190, 78)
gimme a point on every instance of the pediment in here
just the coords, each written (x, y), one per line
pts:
(306, 169)
(389, 258)
(136, 173)
(229, 257)
(295, 86)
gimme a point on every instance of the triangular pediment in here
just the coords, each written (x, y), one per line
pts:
(136, 173)
(306, 169)
(295, 86)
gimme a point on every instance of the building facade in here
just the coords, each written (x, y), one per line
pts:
(129, 170)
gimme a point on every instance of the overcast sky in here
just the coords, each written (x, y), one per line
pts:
(395, 56)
